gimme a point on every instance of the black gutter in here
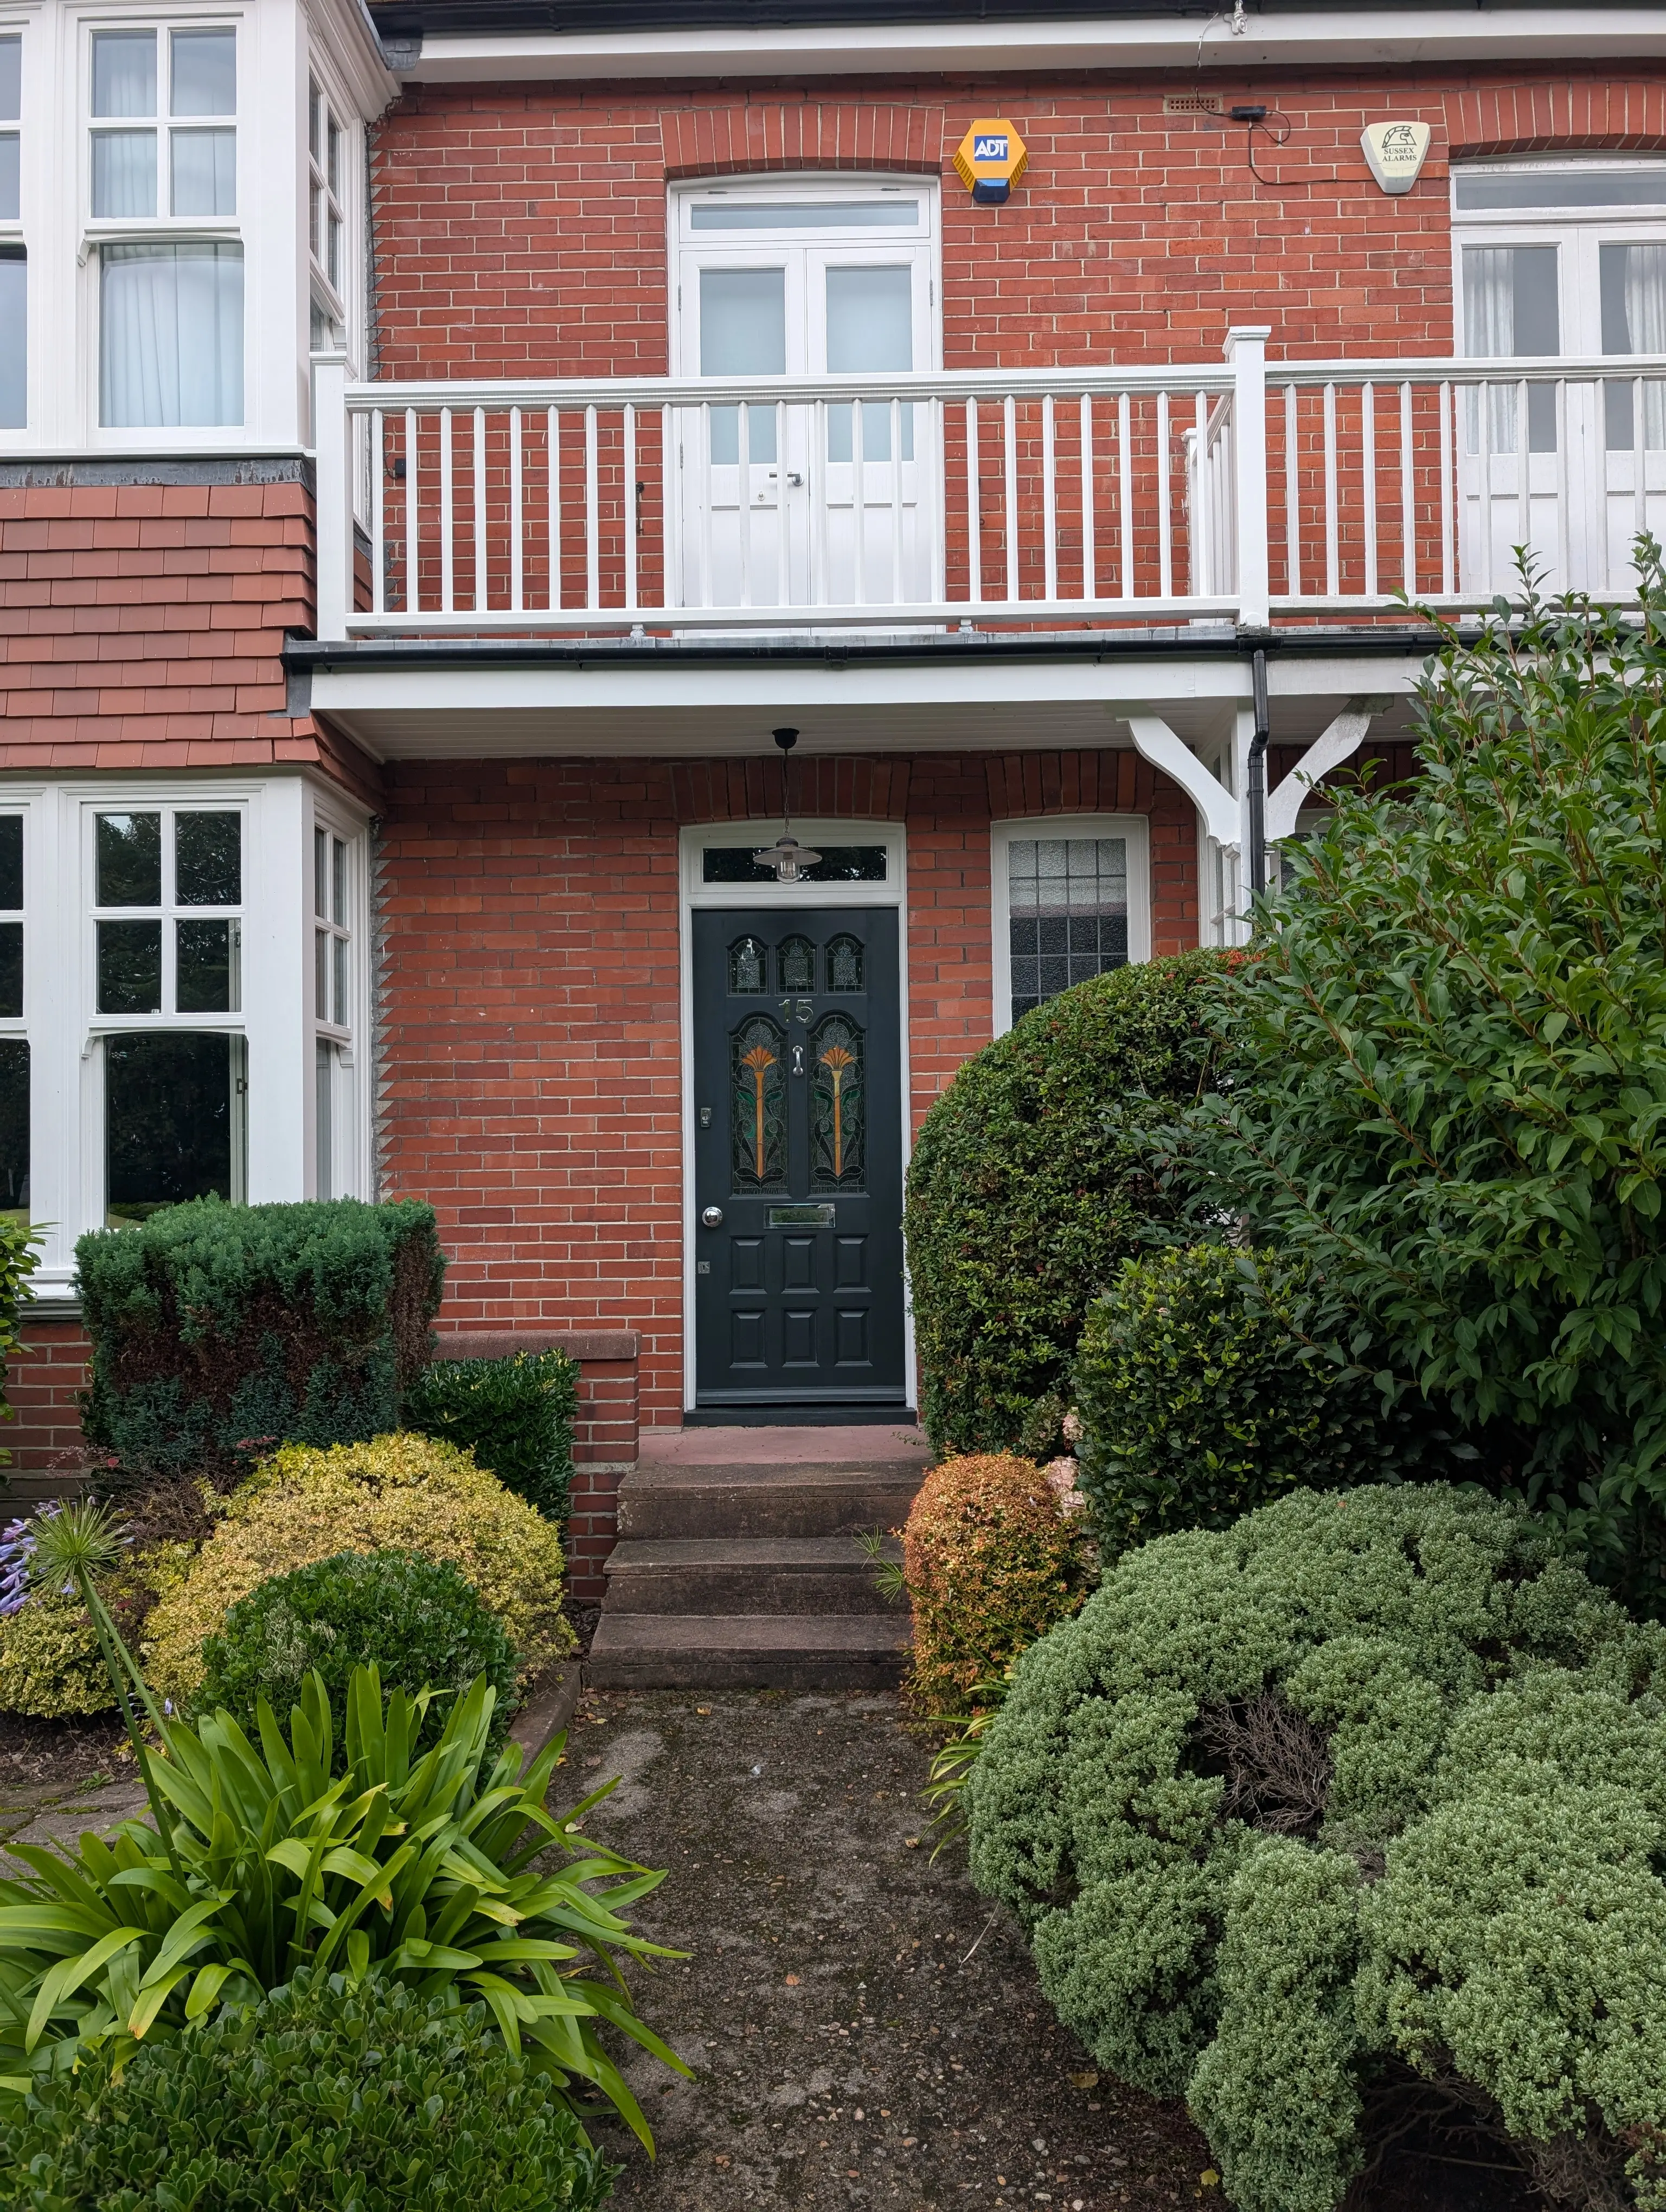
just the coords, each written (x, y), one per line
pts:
(1224, 644)
(403, 18)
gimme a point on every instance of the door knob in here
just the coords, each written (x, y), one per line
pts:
(712, 1217)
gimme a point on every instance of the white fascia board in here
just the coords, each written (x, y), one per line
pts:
(1380, 36)
(344, 29)
(773, 684)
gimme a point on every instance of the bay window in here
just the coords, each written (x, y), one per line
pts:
(168, 922)
(162, 163)
(14, 1033)
(169, 1027)
(334, 974)
(14, 261)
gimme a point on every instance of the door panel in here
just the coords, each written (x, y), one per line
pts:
(798, 1151)
(804, 503)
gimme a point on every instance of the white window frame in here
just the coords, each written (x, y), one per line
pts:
(349, 1132)
(66, 1032)
(341, 301)
(1577, 233)
(1134, 828)
(164, 228)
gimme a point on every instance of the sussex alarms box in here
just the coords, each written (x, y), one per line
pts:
(1395, 154)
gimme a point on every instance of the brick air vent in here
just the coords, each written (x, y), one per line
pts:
(1191, 103)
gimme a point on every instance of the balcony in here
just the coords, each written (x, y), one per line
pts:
(1242, 492)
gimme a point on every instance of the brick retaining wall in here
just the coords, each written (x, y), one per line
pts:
(46, 1442)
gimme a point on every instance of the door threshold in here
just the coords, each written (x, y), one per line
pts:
(798, 1417)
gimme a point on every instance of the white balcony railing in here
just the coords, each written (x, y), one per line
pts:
(1244, 490)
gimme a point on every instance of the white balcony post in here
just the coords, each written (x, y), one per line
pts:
(332, 494)
(1247, 351)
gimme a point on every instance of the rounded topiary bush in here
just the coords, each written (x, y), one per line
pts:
(416, 1620)
(995, 1553)
(1201, 1395)
(1032, 1178)
(399, 1492)
(1369, 1788)
(326, 2097)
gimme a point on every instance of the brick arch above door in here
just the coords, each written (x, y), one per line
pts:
(1581, 114)
(832, 788)
(755, 136)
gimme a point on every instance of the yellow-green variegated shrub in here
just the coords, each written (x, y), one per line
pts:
(49, 1662)
(400, 1492)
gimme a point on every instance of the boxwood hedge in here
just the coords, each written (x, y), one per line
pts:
(1032, 1179)
(213, 1326)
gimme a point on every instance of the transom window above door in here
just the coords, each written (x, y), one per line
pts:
(802, 278)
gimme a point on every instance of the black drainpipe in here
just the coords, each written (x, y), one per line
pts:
(1258, 778)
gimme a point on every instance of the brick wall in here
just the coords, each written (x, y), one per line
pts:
(531, 1080)
(520, 229)
(604, 1431)
(42, 1382)
(45, 1440)
(142, 627)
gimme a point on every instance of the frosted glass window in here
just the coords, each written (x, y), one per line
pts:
(13, 338)
(124, 72)
(10, 177)
(204, 73)
(870, 329)
(1510, 307)
(1633, 297)
(743, 332)
(1551, 187)
(11, 79)
(123, 173)
(1067, 900)
(792, 215)
(171, 335)
(204, 173)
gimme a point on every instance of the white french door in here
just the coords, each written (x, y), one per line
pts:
(804, 502)
(1572, 468)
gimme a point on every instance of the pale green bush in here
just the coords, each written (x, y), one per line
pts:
(1371, 1778)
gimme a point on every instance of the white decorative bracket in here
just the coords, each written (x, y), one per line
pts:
(1164, 749)
(1336, 743)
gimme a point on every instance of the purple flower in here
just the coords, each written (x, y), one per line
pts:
(16, 1550)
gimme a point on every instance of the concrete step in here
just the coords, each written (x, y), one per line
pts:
(748, 1651)
(746, 1575)
(657, 1503)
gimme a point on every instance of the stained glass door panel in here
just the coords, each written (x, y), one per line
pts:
(798, 1155)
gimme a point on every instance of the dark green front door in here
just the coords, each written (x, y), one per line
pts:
(798, 1148)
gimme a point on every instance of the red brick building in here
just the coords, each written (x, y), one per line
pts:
(441, 448)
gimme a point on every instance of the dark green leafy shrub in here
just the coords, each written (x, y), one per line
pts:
(415, 1619)
(1370, 1786)
(1202, 1394)
(217, 1327)
(515, 1415)
(1451, 1075)
(327, 2096)
(1032, 1179)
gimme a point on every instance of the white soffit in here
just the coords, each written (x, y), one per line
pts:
(1358, 39)
(546, 714)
